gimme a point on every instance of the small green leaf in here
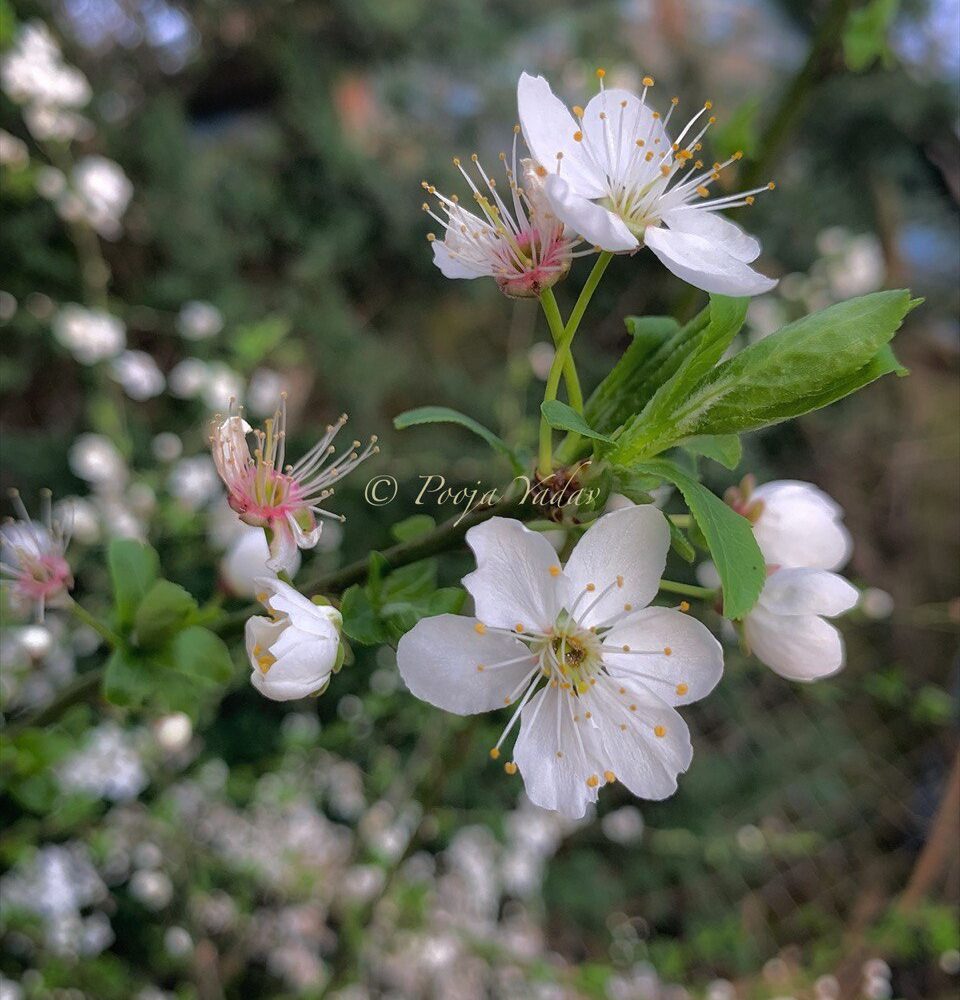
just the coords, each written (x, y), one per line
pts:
(165, 609)
(729, 536)
(202, 656)
(865, 34)
(413, 527)
(129, 678)
(134, 567)
(564, 418)
(445, 415)
(361, 622)
(681, 544)
(723, 448)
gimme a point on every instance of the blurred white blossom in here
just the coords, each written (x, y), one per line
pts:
(96, 459)
(90, 335)
(199, 320)
(102, 192)
(139, 375)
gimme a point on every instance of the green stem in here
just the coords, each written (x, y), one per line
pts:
(552, 311)
(545, 463)
(688, 590)
(105, 633)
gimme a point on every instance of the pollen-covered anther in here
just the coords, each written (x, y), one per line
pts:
(578, 136)
(609, 777)
(625, 648)
(659, 731)
(518, 628)
(480, 668)
(684, 606)
(647, 81)
(682, 689)
(554, 571)
(479, 628)
(667, 651)
(591, 587)
(494, 753)
(601, 72)
(593, 781)
(510, 767)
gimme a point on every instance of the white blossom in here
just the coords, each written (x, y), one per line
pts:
(199, 320)
(102, 191)
(139, 375)
(246, 562)
(90, 335)
(33, 72)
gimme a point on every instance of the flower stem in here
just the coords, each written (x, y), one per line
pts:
(688, 590)
(552, 311)
(105, 633)
(545, 463)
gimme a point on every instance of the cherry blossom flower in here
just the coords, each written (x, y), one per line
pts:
(101, 193)
(800, 533)
(284, 499)
(293, 652)
(32, 559)
(614, 175)
(595, 672)
(522, 245)
(91, 335)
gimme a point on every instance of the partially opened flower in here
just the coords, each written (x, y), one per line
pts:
(516, 239)
(284, 499)
(595, 673)
(800, 533)
(616, 177)
(32, 560)
(293, 652)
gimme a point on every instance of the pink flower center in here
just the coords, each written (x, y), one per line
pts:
(44, 576)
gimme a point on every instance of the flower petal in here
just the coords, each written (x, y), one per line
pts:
(689, 672)
(798, 647)
(611, 140)
(283, 546)
(316, 619)
(556, 756)
(800, 525)
(646, 747)
(698, 261)
(808, 592)
(297, 672)
(548, 128)
(440, 657)
(622, 553)
(455, 267)
(517, 580)
(712, 226)
(594, 223)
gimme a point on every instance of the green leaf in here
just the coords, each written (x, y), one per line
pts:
(800, 368)
(202, 656)
(129, 679)
(413, 527)
(134, 567)
(729, 536)
(445, 415)
(865, 34)
(361, 620)
(723, 448)
(681, 544)
(564, 418)
(165, 609)
(740, 131)
(252, 342)
(634, 485)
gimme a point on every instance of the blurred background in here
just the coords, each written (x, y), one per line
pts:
(231, 206)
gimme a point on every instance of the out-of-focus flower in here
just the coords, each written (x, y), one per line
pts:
(285, 499)
(32, 560)
(623, 825)
(13, 151)
(597, 672)
(174, 731)
(102, 192)
(799, 531)
(50, 183)
(152, 888)
(8, 306)
(199, 320)
(167, 446)
(613, 175)
(246, 562)
(139, 375)
(90, 335)
(33, 72)
(266, 386)
(95, 458)
(194, 481)
(294, 652)
(108, 766)
(523, 246)
(187, 378)
(222, 385)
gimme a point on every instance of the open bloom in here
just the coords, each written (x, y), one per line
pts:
(594, 671)
(616, 177)
(802, 538)
(32, 558)
(295, 650)
(522, 245)
(284, 499)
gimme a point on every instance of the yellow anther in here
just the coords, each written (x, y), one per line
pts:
(619, 581)
(262, 596)
(578, 111)
(640, 143)
(623, 727)
(554, 571)
(633, 708)
(682, 689)
(667, 651)
(684, 606)
(516, 129)
(623, 690)
(750, 199)
(541, 171)
(609, 777)
(494, 753)
(628, 607)
(456, 161)
(474, 157)
(588, 715)
(601, 72)
(656, 115)
(480, 668)
(559, 754)
(659, 731)
(425, 207)
(674, 101)
(582, 687)
(591, 587)
(665, 170)
(431, 237)
(565, 685)
(257, 649)
(578, 136)
(684, 155)
(506, 700)
(593, 781)
(738, 155)
(625, 648)
(518, 627)
(771, 186)
(712, 119)
(703, 192)
(265, 662)
(510, 767)
(647, 81)
(480, 628)
(603, 116)
(648, 156)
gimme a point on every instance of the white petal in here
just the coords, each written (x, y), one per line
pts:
(548, 129)
(594, 223)
(690, 672)
(808, 592)
(517, 579)
(556, 755)
(611, 141)
(798, 647)
(715, 228)
(630, 544)
(283, 547)
(646, 763)
(438, 660)
(697, 261)
(299, 672)
(800, 526)
(304, 539)
(455, 267)
(317, 619)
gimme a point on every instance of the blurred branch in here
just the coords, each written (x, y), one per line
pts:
(827, 40)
